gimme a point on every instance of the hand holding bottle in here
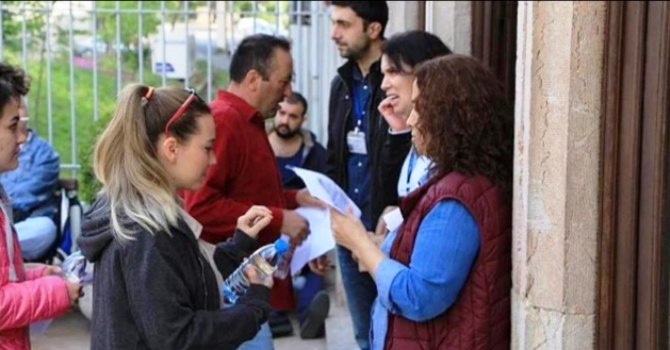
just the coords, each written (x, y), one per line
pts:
(254, 278)
(74, 291)
(257, 269)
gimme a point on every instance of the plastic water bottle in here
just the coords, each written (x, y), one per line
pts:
(284, 264)
(264, 260)
(74, 269)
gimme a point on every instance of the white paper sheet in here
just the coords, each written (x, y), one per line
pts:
(325, 189)
(393, 219)
(318, 242)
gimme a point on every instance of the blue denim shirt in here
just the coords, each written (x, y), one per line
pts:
(358, 167)
(31, 186)
(445, 248)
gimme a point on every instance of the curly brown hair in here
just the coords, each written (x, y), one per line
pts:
(465, 119)
(14, 83)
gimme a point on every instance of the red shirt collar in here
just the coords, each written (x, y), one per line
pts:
(247, 110)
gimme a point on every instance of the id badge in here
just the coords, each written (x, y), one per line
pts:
(356, 142)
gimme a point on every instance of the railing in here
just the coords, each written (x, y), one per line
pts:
(80, 54)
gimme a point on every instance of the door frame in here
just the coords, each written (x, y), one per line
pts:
(635, 198)
(494, 39)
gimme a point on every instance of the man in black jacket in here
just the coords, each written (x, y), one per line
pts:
(357, 134)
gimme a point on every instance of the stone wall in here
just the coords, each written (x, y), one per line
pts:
(557, 169)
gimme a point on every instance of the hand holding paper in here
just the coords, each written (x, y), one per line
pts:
(305, 199)
(348, 230)
(295, 226)
(318, 242)
(321, 194)
(320, 265)
(323, 188)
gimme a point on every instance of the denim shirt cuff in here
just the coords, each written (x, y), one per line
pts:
(387, 270)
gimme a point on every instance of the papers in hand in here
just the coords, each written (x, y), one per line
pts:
(323, 188)
(319, 241)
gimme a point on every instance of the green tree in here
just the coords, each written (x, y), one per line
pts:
(19, 14)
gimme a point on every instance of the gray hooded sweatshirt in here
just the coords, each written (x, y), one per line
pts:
(159, 291)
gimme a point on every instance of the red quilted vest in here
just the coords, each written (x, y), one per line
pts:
(480, 316)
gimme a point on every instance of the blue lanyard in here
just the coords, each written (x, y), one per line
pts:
(358, 113)
(410, 167)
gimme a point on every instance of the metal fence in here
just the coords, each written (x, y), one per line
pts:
(80, 54)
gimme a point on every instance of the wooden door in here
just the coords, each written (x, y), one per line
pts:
(494, 25)
(634, 249)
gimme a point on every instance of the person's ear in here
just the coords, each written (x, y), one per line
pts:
(374, 30)
(169, 149)
(254, 79)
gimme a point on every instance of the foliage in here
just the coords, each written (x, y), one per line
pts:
(82, 99)
(88, 183)
(20, 15)
(59, 92)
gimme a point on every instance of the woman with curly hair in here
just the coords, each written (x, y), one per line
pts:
(444, 274)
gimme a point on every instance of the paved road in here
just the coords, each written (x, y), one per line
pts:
(72, 332)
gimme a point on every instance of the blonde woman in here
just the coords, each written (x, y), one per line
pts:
(154, 287)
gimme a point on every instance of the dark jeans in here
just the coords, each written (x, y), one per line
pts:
(361, 292)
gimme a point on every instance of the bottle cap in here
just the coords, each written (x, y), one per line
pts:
(281, 246)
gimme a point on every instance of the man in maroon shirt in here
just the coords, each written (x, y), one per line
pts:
(246, 172)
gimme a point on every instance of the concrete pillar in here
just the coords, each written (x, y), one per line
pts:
(559, 77)
(452, 22)
(403, 15)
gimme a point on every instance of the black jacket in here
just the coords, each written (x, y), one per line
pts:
(386, 152)
(159, 291)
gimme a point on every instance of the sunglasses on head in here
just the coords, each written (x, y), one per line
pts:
(180, 111)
